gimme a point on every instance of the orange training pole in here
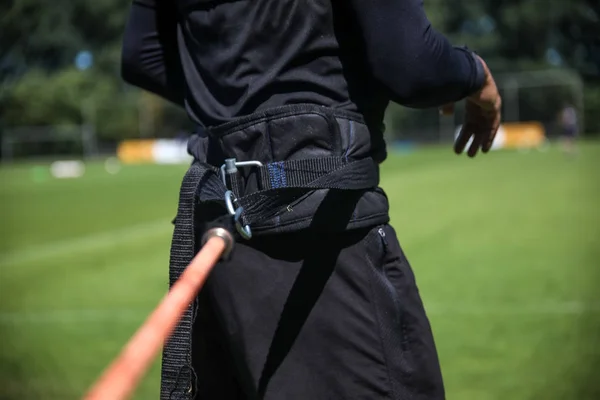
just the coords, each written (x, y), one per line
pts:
(121, 378)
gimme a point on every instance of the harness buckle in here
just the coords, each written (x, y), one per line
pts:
(230, 167)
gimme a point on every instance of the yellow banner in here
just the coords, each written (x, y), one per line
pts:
(136, 151)
(154, 151)
(522, 135)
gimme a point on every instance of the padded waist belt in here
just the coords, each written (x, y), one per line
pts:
(299, 147)
(269, 172)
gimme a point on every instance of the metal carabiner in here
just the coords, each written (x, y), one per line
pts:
(245, 231)
(229, 202)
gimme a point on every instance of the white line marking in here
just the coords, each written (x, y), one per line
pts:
(135, 315)
(544, 308)
(91, 242)
(72, 316)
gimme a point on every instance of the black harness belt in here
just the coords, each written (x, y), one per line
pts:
(261, 174)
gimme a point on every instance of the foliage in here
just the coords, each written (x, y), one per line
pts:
(69, 96)
(40, 40)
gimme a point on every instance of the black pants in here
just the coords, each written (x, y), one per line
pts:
(311, 316)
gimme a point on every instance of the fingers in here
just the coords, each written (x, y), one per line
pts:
(466, 133)
(475, 144)
(462, 140)
(489, 141)
(482, 118)
(481, 124)
(487, 144)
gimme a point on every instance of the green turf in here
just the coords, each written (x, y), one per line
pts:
(506, 250)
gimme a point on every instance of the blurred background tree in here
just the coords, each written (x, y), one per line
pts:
(59, 63)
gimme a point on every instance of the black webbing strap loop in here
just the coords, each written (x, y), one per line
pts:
(320, 173)
(177, 377)
(285, 182)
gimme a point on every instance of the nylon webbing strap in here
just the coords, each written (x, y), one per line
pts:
(177, 376)
(284, 182)
(320, 173)
(287, 181)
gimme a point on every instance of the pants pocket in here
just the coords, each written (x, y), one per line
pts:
(406, 334)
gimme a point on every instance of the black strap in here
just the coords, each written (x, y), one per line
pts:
(320, 173)
(293, 179)
(177, 378)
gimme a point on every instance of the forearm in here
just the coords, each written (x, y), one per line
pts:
(150, 59)
(417, 64)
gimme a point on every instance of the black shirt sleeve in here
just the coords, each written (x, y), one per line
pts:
(417, 64)
(150, 59)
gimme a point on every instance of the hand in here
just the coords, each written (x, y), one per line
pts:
(482, 117)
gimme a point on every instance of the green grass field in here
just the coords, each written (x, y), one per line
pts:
(506, 249)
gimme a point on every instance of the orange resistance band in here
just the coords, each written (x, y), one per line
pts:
(121, 378)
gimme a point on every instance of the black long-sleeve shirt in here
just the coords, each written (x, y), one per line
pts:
(222, 59)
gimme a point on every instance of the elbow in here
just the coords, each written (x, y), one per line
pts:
(407, 92)
(407, 74)
(408, 87)
(150, 78)
(129, 65)
(133, 68)
(423, 83)
(134, 73)
(428, 72)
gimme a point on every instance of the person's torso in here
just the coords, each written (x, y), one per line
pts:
(246, 56)
(569, 117)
